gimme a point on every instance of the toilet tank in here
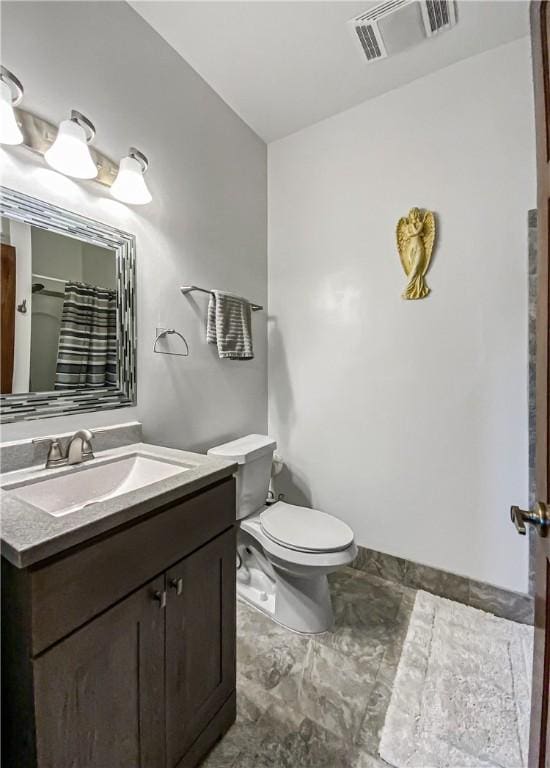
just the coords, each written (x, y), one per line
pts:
(254, 455)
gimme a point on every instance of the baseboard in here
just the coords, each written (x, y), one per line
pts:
(500, 602)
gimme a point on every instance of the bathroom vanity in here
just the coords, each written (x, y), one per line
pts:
(118, 618)
(118, 571)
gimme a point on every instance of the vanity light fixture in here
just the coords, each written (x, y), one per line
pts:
(11, 93)
(70, 154)
(129, 185)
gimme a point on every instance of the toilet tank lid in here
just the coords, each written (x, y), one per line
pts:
(245, 448)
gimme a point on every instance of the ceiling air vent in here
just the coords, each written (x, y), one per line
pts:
(394, 25)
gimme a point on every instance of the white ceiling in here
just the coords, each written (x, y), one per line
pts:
(286, 65)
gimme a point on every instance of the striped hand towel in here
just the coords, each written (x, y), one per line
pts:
(229, 326)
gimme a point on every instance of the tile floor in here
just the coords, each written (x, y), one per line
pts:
(318, 702)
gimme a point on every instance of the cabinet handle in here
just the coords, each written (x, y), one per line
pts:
(160, 597)
(177, 584)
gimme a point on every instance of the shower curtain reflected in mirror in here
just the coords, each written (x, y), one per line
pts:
(87, 348)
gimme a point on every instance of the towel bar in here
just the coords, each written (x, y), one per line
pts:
(188, 288)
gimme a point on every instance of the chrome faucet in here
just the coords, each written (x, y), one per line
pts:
(76, 450)
(79, 448)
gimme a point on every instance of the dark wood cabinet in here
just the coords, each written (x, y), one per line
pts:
(99, 693)
(149, 680)
(200, 665)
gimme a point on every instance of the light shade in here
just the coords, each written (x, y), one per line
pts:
(70, 154)
(10, 133)
(129, 185)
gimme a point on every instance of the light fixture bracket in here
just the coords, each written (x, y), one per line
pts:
(85, 123)
(142, 159)
(39, 135)
(13, 83)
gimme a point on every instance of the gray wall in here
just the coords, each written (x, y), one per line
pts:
(207, 222)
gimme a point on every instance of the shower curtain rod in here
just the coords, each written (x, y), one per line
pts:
(47, 277)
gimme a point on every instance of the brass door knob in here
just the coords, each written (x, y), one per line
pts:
(539, 517)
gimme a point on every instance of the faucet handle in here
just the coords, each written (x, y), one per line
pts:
(55, 451)
(93, 433)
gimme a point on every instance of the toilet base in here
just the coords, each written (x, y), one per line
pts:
(298, 602)
(261, 608)
(258, 589)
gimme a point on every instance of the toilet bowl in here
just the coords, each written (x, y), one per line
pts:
(284, 552)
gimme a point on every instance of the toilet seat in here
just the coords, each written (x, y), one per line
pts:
(305, 530)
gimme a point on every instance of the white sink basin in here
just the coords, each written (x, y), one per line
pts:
(81, 485)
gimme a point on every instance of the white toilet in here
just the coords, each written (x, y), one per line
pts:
(284, 552)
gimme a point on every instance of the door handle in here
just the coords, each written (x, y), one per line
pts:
(539, 517)
(177, 584)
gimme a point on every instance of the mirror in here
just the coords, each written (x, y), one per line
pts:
(72, 307)
(68, 311)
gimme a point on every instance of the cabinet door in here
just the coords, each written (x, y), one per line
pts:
(200, 641)
(99, 694)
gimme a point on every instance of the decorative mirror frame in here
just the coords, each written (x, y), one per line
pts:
(24, 406)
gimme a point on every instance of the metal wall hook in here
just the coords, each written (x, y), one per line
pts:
(22, 307)
(161, 332)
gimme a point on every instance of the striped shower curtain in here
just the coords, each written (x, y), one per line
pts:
(87, 353)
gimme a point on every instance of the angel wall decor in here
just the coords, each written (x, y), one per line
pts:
(415, 242)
